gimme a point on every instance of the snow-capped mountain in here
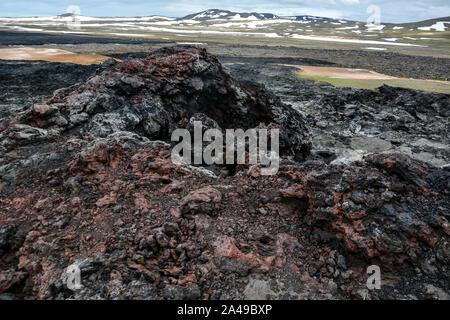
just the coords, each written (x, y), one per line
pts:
(217, 14)
(213, 14)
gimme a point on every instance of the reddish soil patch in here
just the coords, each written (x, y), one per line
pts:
(52, 55)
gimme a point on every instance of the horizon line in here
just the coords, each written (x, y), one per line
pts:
(178, 17)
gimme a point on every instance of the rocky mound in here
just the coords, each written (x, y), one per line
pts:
(86, 181)
(156, 95)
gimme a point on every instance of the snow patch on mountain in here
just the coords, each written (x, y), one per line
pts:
(438, 26)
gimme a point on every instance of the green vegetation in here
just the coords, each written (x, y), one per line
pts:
(424, 85)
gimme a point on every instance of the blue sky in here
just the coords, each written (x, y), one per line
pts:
(391, 10)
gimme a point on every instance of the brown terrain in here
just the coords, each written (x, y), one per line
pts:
(52, 55)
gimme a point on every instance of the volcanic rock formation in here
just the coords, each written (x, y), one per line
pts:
(86, 181)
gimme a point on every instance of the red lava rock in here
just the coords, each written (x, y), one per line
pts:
(176, 212)
(225, 247)
(107, 200)
(41, 109)
(204, 200)
(141, 203)
(294, 191)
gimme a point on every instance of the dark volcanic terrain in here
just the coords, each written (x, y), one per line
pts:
(86, 179)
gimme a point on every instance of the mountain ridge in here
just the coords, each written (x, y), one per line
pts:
(221, 14)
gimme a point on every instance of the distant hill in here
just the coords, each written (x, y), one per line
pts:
(439, 24)
(252, 27)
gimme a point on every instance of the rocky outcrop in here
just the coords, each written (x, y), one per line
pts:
(389, 207)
